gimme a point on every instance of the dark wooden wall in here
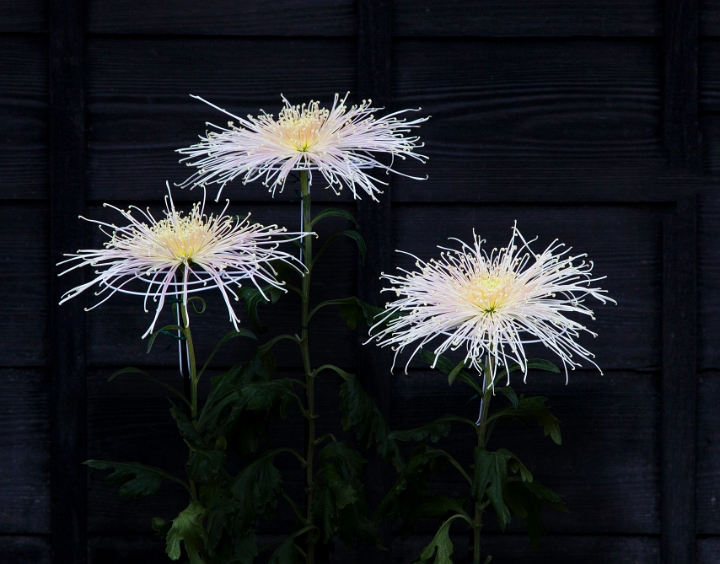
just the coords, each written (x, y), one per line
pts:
(594, 121)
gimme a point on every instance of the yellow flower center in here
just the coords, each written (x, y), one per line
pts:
(489, 292)
(299, 126)
(182, 237)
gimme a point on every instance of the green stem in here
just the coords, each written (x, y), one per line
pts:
(481, 442)
(185, 323)
(305, 350)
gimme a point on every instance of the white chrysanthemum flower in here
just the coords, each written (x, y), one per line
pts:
(181, 254)
(339, 143)
(493, 304)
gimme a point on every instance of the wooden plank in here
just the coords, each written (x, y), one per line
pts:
(216, 17)
(25, 550)
(525, 18)
(25, 444)
(374, 81)
(115, 328)
(708, 454)
(23, 103)
(533, 119)
(514, 549)
(709, 85)
(708, 278)
(609, 478)
(140, 109)
(66, 50)
(624, 242)
(680, 100)
(708, 550)
(25, 279)
(710, 18)
(678, 422)
(23, 17)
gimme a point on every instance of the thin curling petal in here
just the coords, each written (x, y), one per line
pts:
(182, 254)
(340, 143)
(493, 304)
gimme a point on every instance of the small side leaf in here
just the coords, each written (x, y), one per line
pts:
(446, 366)
(440, 546)
(333, 212)
(435, 430)
(135, 480)
(187, 528)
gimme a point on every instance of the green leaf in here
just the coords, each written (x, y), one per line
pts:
(532, 364)
(225, 339)
(135, 480)
(435, 430)
(246, 548)
(187, 528)
(167, 330)
(510, 394)
(529, 409)
(491, 474)
(273, 397)
(446, 366)
(257, 487)
(333, 212)
(254, 297)
(131, 370)
(525, 500)
(205, 465)
(355, 236)
(359, 412)
(344, 375)
(160, 526)
(455, 371)
(286, 553)
(440, 546)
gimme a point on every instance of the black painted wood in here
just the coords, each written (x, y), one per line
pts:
(708, 453)
(140, 110)
(67, 325)
(708, 277)
(523, 18)
(679, 385)
(23, 17)
(22, 549)
(680, 105)
(25, 444)
(218, 17)
(374, 82)
(23, 104)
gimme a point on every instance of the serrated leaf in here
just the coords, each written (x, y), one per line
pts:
(273, 397)
(187, 528)
(435, 430)
(529, 409)
(360, 413)
(510, 394)
(286, 553)
(257, 487)
(440, 546)
(204, 465)
(333, 212)
(253, 298)
(446, 366)
(135, 479)
(490, 479)
(160, 526)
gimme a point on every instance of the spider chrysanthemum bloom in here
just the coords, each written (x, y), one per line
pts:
(493, 304)
(340, 143)
(182, 254)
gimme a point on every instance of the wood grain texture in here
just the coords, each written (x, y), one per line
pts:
(525, 18)
(708, 67)
(708, 278)
(25, 444)
(25, 282)
(116, 327)
(710, 18)
(547, 119)
(607, 468)
(24, 106)
(216, 17)
(25, 550)
(708, 453)
(140, 109)
(623, 242)
(514, 549)
(23, 17)
(708, 550)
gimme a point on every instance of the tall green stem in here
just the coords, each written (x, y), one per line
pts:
(305, 350)
(481, 442)
(193, 380)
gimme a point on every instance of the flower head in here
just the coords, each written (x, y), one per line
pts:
(181, 254)
(493, 304)
(339, 143)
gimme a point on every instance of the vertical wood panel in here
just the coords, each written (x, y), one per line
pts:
(67, 354)
(679, 387)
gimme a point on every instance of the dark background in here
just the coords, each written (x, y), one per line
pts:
(594, 121)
